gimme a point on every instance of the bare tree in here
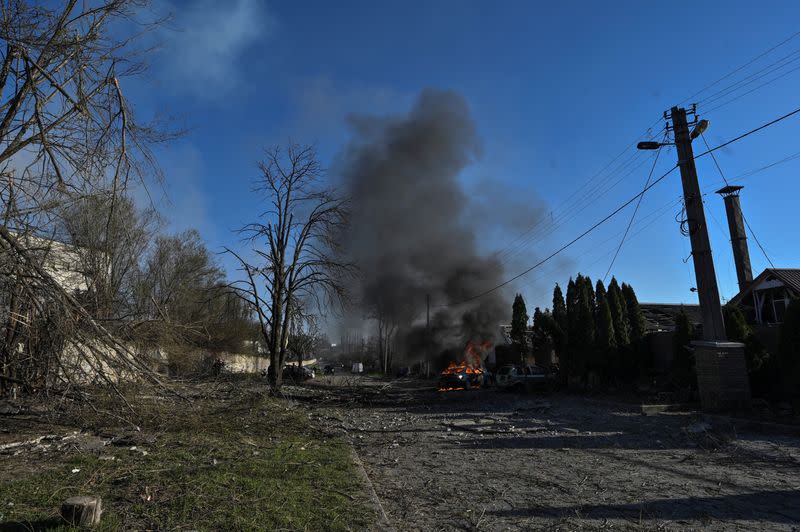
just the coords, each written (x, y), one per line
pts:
(110, 237)
(389, 311)
(303, 334)
(387, 327)
(295, 245)
(66, 133)
(184, 296)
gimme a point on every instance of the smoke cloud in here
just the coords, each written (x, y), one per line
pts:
(412, 233)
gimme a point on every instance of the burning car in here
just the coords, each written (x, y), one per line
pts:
(460, 376)
(467, 374)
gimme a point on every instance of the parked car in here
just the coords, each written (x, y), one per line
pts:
(329, 369)
(297, 373)
(527, 378)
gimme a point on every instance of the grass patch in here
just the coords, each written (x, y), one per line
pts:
(234, 461)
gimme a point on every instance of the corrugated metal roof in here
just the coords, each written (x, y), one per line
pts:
(790, 277)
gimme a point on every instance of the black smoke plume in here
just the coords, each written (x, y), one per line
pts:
(412, 233)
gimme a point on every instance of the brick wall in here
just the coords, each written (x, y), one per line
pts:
(722, 376)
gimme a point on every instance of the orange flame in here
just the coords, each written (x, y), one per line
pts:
(471, 365)
(460, 367)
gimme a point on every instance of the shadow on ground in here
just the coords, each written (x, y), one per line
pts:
(33, 526)
(773, 506)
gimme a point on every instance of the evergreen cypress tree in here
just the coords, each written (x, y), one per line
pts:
(572, 321)
(758, 358)
(584, 329)
(559, 308)
(536, 318)
(559, 325)
(605, 338)
(635, 316)
(736, 326)
(587, 281)
(619, 314)
(571, 300)
(572, 305)
(637, 359)
(538, 334)
(519, 324)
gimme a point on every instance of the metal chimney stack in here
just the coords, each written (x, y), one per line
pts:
(741, 254)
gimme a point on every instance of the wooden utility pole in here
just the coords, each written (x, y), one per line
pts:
(720, 365)
(427, 335)
(707, 290)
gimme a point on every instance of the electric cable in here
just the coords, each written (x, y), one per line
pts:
(635, 210)
(617, 210)
(739, 69)
(752, 78)
(744, 218)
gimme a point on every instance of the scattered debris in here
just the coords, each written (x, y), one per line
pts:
(9, 409)
(710, 436)
(132, 439)
(698, 427)
(565, 463)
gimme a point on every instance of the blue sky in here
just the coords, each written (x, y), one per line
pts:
(557, 90)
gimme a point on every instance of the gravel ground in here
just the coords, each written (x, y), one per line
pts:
(493, 460)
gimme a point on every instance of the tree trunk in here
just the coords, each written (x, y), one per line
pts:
(275, 372)
(82, 511)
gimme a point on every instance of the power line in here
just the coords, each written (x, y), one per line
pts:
(575, 202)
(754, 171)
(721, 173)
(739, 69)
(743, 135)
(524, 241)
(617, 210)
(577, 207)
(752, 78)
(655, 215)
(568, 244)
(537, 231)
(651, 218)
(635, 210)
(742, 95)
(541, 228)
(566, 207)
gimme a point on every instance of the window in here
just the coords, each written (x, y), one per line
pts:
(779, 302)
(770, 304)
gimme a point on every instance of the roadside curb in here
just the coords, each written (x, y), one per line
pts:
(383, 521)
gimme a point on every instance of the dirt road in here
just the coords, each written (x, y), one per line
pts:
(492, 460)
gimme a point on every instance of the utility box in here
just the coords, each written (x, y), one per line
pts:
(721, 375)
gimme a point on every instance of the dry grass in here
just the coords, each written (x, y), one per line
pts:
(230, 458)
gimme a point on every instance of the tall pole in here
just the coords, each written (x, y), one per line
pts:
(741, 254)
(707, 291)
(427, 335)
